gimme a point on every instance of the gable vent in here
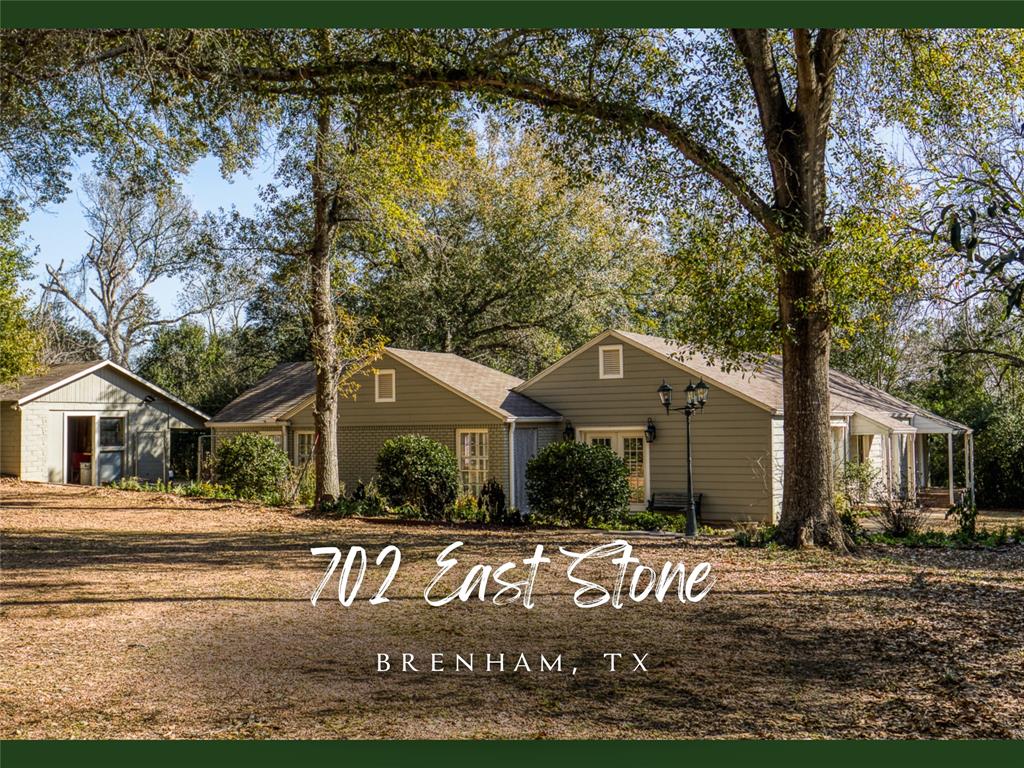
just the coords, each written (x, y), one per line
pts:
(610, 362)
(384, 387)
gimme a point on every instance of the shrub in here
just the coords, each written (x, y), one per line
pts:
(204, 490)
(492, 502)
(413, 469)
(252, 465)
(754, 535)
(468, 509)
(302, 485)
(641, 521)
(573, 483)
(965, 515)
(900, 517)
(854, 480)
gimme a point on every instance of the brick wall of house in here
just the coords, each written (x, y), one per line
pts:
(358, 448)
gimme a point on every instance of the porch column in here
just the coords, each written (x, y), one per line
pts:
(911, 464)
(949, 460)
(926, 461)
(970, 466)
(895, 479)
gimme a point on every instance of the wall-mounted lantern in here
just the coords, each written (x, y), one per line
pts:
(570, 432)
(651, 432)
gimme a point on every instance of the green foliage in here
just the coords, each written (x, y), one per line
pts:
(570, 483)
(900, 517)
(468, 509)
(854, 482)
(517, 263)
(965, 515)
(192, 489)
(413, 469)
(997, 537)
(19, 342)
(252, 465)
(754, 535)
(641, 521)
(205, 369)
(978, 379)
(492, 503)
(303, 481)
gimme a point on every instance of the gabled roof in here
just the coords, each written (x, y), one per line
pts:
(28, 388)
(292, 386)
(763, 386)
(284, 389)
(478, 383)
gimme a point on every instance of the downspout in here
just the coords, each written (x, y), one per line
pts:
(511, 465)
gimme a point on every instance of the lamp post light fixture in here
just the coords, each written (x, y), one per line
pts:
(696, 399)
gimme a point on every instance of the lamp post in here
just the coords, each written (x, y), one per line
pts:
(696, 398)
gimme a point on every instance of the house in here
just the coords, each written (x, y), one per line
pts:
(466, 406)
(89, 423)
(603, 392)
(607, 391)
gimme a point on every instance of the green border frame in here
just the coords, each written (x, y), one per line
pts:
(483, 13)
(496, 754)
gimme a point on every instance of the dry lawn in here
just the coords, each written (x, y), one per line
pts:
(140, 615)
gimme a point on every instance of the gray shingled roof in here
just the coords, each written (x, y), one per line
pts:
(26, 385)
(283, 389)
(289, 385)
(764, 385)
(477, 382)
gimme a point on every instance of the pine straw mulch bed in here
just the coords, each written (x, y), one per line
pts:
(144, 615)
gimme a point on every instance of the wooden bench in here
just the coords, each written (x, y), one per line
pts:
(673, 502)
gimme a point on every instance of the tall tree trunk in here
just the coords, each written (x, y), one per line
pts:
(324, 343)
(796, 139)
(808, 508)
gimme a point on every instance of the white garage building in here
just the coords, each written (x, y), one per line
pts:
(89, 423)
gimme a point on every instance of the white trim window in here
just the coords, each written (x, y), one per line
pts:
(384, 386)
(610, 361)
(631, 446)
(471, 445)
(303, 447)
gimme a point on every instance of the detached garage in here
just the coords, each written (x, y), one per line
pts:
(89, 423)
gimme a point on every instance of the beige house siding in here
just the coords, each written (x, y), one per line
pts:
(732, 438)
(101, 393)
(10, 440)
(418, 400)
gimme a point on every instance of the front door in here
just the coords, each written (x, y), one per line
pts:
(631, 447)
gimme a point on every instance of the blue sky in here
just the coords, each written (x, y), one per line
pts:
(59, 230)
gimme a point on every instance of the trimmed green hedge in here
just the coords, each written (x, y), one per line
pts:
(417, 471)
(252, 465)
(576, 484)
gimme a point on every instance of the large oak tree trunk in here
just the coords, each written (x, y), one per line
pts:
(324, 343)
(808, 513)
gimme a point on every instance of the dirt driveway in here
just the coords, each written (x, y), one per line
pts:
(138, 615)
